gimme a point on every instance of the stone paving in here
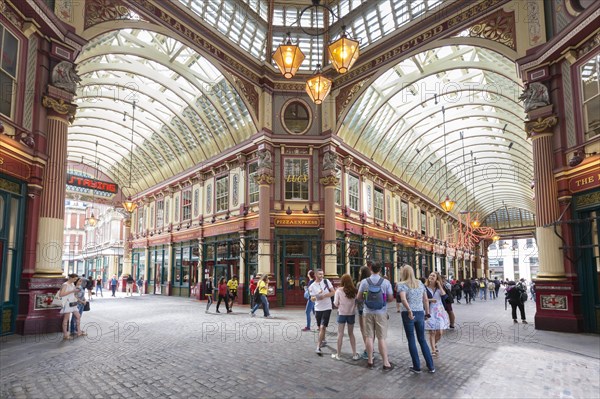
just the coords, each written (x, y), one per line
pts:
(154, 346)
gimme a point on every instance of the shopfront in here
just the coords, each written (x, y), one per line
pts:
(12, 216)
(221, 257)
(185, 267)
(158, 269)
(296, 252)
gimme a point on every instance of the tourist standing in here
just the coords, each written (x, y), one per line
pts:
(222, 291)
(363, 273)
(113, 284)
(208, 285)
(415, 309)
(439, 320)
(99, 286)
(345, 301)
(69, 306)
(310, 305)
(80, 297)
(516, 297)
(375, 291)
(129, 285)
(320, 291)
(232, 286)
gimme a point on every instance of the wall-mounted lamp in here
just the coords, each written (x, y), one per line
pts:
(305, 210)
(288, 211)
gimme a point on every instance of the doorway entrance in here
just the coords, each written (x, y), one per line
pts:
(295, 270)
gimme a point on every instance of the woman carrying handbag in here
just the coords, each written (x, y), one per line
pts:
(67, 293)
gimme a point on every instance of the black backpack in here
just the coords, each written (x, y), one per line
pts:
(327, 282)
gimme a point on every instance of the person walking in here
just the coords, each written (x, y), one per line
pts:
(90, 286)
(467, 289)
(310, 305)
(516, 297)
(439, 320)
(320, 293)
(375, 291)
(263, 289)
(415, 310)
(222, 290)
(113, 284)
(232, 286)
(140, 285)
(99, 286)
(209, 292)
(129, 285)
(345, 301)
(252, 288)
(448, 301)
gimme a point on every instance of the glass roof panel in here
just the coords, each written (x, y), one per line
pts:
(398, 122)
(181, 101)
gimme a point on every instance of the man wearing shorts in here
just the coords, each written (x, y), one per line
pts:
(321, 292)
(376, 320)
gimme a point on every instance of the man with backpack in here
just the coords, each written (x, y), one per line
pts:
(321, 290)
(514, 296)
(374, 292)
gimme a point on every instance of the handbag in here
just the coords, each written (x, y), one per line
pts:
(256, 295)
(306, 294)
(86, 307)
(57, 300)
(72, 304)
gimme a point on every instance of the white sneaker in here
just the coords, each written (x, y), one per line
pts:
(318, 350)
(335, 356)
(356, 356)
(269, 317)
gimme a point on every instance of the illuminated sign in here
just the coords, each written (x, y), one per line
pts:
(80, 181)
(297, 222)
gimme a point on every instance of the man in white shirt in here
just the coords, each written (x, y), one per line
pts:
(321, 292)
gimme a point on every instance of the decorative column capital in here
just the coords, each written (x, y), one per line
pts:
(60, 107)
(540, 125)
(264, 179)
(329, 181)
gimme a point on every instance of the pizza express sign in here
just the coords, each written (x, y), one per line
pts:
(84, 182)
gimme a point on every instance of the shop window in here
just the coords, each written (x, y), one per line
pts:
(353, 198)
(378, 203)
(590, 89)
(438, 228)
(252, 184)
(404, 214)
(9, 50)
(140, 220)
(209, 198)
(222, 192)
(167, 210)
(196, 202)
(296, 178)
(160, 216)
(423, 222)
(152, 216)
(186, 205)
(176, 218)
(397, 211)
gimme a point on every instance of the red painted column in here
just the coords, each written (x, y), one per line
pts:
(329, 182)
(556, 302)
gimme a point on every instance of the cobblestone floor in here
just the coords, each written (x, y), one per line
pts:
(168, 347)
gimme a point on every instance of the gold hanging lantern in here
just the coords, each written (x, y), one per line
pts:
(288, 58)
(343, 53)
(447, 205)
(495, 238)
(129, 205)
(92, 220)
(318, 86)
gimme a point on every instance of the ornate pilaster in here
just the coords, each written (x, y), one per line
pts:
(52, 209)
(127, 264)
(264, 179)
(540, 131)
(329, 183)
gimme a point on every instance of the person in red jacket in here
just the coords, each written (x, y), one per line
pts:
(223, 295)
(252, 289)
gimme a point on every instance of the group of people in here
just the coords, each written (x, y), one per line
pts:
(422, 307)
(72, 294)
(226, 292)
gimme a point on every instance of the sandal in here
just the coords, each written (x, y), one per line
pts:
(66, 337)
(82, 334)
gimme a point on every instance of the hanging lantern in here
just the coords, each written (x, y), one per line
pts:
(92, 220)
(343, 53)
(495, 237)
(288, 58)
(318, 86)
(447, 205)
(129, 205)
(475, 223)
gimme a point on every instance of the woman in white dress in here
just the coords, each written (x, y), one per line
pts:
(439, 320)
(69, 307)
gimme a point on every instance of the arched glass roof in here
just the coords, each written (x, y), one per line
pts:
(186, 111)
(398, 122)
(245, 22)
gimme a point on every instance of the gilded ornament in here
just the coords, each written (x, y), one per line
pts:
(329, 181)
(60, 106)
(542, 125)
(264, 179)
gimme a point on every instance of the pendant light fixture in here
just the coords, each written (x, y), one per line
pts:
(129, 205)
(92, 221)
(475, 223)
(343, 52)
(495, 237)
(447, 204)
(288, 57)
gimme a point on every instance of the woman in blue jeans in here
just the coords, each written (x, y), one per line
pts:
(310, 305)
(263, 286)
(415, 308)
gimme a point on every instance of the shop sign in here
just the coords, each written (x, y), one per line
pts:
(296, 178)
(297, 222)
(80, 181)
(584, 182)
